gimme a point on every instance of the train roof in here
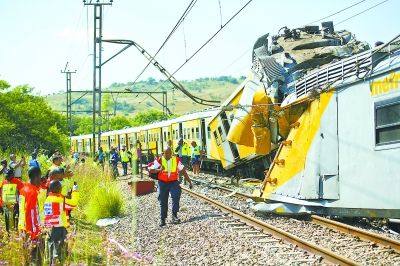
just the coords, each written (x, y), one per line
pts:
(86, 136)
(186, 117)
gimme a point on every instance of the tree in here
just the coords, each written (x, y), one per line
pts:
(119, 122)
(4, 85)
(143, 118)
(27, 121)
(107, 103)
(81, 125)
(151, 81)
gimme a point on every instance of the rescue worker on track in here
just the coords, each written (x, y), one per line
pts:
(183, 151)
(124, 159)
(168, 168)
(56, 207)
(195, 155)
(114, 162)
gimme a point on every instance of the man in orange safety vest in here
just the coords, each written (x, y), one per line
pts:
(168, 168)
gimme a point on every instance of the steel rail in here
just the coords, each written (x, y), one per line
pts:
(237, 194)
(362, 234)
(338, 226)
(279, 233)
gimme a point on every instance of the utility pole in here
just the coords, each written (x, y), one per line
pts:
(69, 104)
(97, 63)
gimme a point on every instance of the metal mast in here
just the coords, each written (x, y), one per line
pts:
(97, 45)
(69, 104)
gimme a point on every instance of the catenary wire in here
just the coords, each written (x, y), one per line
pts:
(181, 19)
(202, 46)
(337, 12)
(365, 10)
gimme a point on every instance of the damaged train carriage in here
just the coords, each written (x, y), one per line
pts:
(333, 131)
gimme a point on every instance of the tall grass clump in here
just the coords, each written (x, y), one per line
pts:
(100, 196)
(106, 201)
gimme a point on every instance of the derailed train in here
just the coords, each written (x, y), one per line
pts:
(317, 119)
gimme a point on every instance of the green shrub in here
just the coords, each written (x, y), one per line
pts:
(99, 193)
(105, 201)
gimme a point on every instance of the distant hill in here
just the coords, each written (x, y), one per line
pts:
(217, 88)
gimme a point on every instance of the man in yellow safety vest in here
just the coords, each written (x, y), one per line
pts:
(195, 155)
(124, 159)
(56, 220)
(9, 201)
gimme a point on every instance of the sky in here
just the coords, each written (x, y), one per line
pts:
(39, 37)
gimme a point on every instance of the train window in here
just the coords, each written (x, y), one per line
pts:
(197, 133)
(184, 133)
(387, 119)
(188, 132)
(216, 138)
(173, 134)
(165, 136)
(221, 133)
(169, 135)
(209, 132)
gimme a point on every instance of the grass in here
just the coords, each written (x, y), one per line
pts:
(99, 198)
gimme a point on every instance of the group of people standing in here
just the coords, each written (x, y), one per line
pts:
(40, 208)
(189, 155)
(125, 156)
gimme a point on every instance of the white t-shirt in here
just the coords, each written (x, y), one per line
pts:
(157, 165)
(17, 170)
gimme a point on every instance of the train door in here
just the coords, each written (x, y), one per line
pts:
(208, 141)
(118, 140)
(160, 143)
(175, 134)
(126, 141)
(88, 146)
(227, 126)
(203, 134)
(180, 130)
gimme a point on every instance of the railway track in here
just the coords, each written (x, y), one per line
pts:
(334, 235)
(269, 229)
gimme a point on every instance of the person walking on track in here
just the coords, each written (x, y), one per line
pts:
(168, 168)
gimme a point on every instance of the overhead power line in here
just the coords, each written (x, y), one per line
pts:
(372, 7)
(181, 19)
(203, 45)
(337, 12)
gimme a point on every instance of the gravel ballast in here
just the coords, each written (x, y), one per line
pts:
(204, 237)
